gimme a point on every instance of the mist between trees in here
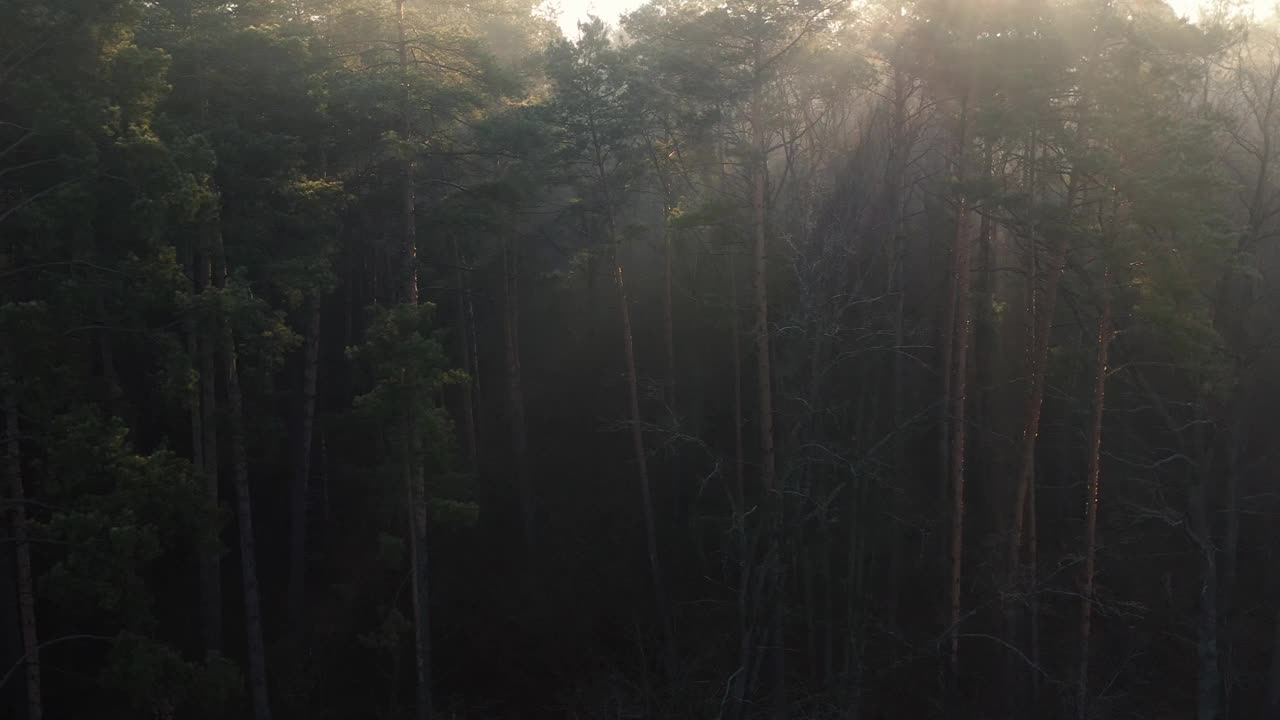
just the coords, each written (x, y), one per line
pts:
(749, 359)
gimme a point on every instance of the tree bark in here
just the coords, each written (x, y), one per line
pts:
(956, 399)
(1037, 372)
(764, 388)
(678, 500)
(110, 381)
(735, 356)
(515, 390)
(633, 395)
(210, 557)
(408, 195)
(1200, 529)
(1033, 539)
(10, 626)
(473, 371)
(244, 502)
(414, 472)
(957, 444)
(759, 192)
(741, 681)
(808, 605)
(739, 457)
(1271, 703)
(1091, 500)
(22, 549)
(1209, 674)
(1230, 550)
(637, 442)
(1022, 578)
(469, 433)
(1231, 512)
(300, 488)
(416, 489)
(947, 342)
(203, 440)
(1033, 573)
(895, 180)
(668, 317)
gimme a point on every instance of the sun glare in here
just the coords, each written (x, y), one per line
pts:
(569, 13)
(1259, 9)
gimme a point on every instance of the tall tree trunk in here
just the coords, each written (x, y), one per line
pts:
(957, 445)
(1022, 578)
(739, 457)
(193, 394)
(633, 396)
(416, 486)
(1271, 703)
(244, 501)
(204, 454)
(408, 196)
(300, 489)
(414, 472)
(1231, 540)
(668, 316)
(349, 301)
(202, 401)
(22, 548)
(895, 179)
(469, 434)
(986, 366)
(669, 379)
(112, 391)
(809, 605)
(1033, 541)
(740, 682)
(1209, 675)
(947, 343)
(1091, 499)
(1200, 529)
(855, 681)
(10, 626)
(1231, 513)
(899, 422)
(515, 389)
(764, 387)
(735, 355)
(828, 611)
(211, 559)
(477, 398)
(1033, 573)
(959, 379)
(637, 442)
(759, 193)
(1043, 326)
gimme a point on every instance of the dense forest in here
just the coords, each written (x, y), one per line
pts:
(744, 359)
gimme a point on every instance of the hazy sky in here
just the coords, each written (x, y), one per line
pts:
(1189, 8)
(571, 11)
